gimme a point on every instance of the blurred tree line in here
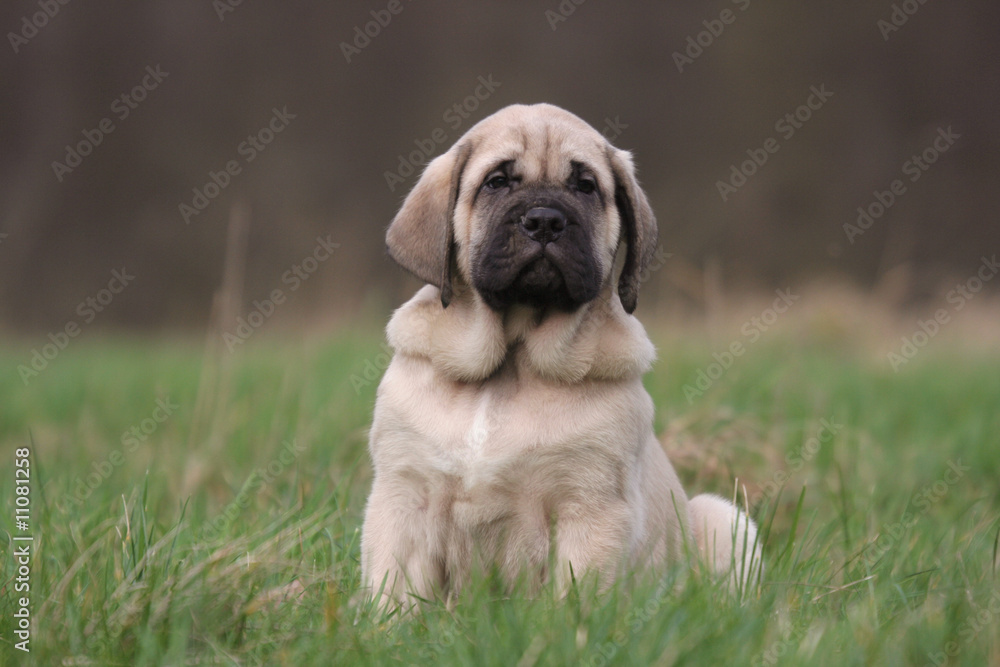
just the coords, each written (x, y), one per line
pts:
(117, 116)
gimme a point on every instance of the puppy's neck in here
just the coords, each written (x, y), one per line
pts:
(468, 341)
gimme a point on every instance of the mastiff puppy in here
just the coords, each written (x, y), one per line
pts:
(511, 430)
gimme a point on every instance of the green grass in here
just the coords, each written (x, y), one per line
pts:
(876, 554)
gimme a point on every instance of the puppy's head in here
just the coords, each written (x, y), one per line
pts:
(530, 207)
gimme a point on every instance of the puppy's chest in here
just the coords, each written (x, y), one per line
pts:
(503, 435)
(491, 437)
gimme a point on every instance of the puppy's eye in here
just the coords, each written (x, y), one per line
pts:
(497, 182)
(586, 185)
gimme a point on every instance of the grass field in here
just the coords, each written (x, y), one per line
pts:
(187, 510)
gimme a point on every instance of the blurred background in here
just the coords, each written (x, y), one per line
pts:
(130, 132)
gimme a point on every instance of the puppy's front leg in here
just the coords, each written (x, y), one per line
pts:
(396, 548)
(591, 538)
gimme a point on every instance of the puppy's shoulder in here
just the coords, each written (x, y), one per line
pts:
(464, 341)
(623, 348)
(598, 342)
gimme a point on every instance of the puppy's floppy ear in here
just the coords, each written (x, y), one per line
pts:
(421, 237)
(638, 226)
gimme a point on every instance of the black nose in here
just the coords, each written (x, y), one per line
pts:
(543, 224)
